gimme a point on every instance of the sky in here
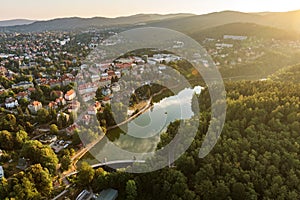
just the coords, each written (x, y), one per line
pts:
(49, 9)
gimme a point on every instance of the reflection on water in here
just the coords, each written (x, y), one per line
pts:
(143, 133)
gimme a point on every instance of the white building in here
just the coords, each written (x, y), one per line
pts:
(235, 37)
(35, 106)
(95, 78)
(11, 103)
(1, 172)
(70, 95)
(115, 87)
(23, 84)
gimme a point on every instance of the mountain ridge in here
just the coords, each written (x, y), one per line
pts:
(14, 22)
(186, 23)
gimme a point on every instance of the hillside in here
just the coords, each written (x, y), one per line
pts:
(289, 74)
(200, 22)
(286, 20)
(74, 23)
(187, 23)
(15, 22)
(246, 29)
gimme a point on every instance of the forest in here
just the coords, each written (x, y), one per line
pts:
(257, 156)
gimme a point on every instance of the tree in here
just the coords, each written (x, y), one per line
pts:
(9, 123)
(238, 191)
(43, 116)
(85, 175)
(131, 190)
(26, 190)
(21, 138)
(66, 162)
(3, 188)
(39, 153)
(6, 140)
(54, 129)
(41, 178)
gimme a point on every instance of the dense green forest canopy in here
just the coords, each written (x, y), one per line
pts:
(257, 156)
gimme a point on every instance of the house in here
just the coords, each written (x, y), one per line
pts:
(66, 116)
(35, 106)
(23, 84)
(162, 67)
(61, 101)
(52, 105)
(67, 78)
(59, 145)
(84, 195)
(70, 95)
(235, 37)
(115, 87)
(92, 110)
(86, 119)
(106, 100)
(1, 172)
(22, 163)
(56, 94)
(22, 95)
(31, 89)
(70, 130)
(95, 78)
(109, 194)
(106, 91)
(48, 138)
(88, 88)
(3, 71)
(118, 74)
(11, 103)
(88, 97)
(104, 81)
(74, 107)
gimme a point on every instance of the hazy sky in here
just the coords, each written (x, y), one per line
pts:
(47, 9)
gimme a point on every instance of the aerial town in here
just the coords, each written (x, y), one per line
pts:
(67, 107)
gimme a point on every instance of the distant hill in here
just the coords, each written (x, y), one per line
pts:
(186, 23)
(15, 22)
(245, 29)
(74, 23)
(200, 22)
(286, 20)
(288, 74)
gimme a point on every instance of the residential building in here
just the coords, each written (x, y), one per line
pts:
(70, 130)
(109, 194)
(66, 116)
(70, 95)
(84, 195)
(235, 37)
(1, 172)
(11, 103)
(88, 88)
(61, 101)
(115, 87)
(89, 96)
(23, 84)
(22, 163)
(92, 110)
(52, 105)
(95, 78)
(23, 95)
(74, 107)
(35, 106)
(57, 93)
(86, 119)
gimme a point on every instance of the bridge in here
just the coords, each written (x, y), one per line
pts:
(117, 164)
